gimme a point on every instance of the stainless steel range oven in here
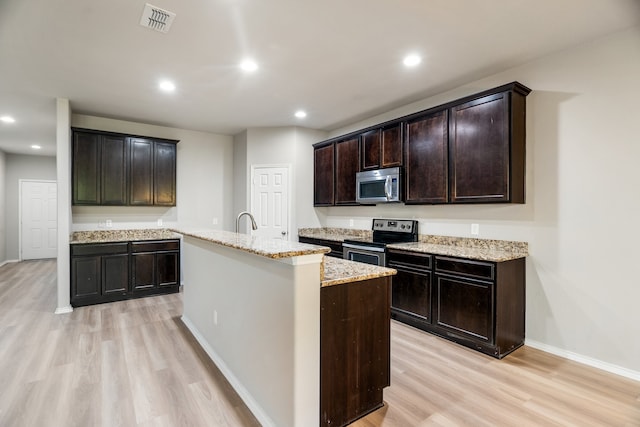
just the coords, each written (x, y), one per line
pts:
(373, 251)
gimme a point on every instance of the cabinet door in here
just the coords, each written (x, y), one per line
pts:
(164, 174)
(465, 307)
(346, 168)
(167, 269)
(426, 159)
(411, 293)
(115, 274)
(85, 277)
(143, 271)
(114, 170)
(391, 146)
(86, 168)
(370, 150)
(479, 147)
(323, 175)
(141, 172)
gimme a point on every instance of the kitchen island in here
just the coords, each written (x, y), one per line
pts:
(287, 327)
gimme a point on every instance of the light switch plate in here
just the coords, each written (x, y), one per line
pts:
(159, 222)
(108, 223)
(475, 229)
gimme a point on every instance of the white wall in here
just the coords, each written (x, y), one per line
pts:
(3, 207)
(582, 210)
(21, 166)
(203, 184)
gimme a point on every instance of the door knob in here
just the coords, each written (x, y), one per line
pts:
(284, 233)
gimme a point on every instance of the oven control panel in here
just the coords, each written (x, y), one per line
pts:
(395, 225)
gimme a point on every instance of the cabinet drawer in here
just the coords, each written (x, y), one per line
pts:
(100, 249)
(155, 246)
(464, 267)
(409, 259)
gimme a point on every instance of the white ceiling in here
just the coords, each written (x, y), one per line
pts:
(341, 60)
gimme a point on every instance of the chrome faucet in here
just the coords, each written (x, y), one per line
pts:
(254, 226)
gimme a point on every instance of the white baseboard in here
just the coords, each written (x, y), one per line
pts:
(244, 394)
(9, 261)
(585, 360)
(64, 310)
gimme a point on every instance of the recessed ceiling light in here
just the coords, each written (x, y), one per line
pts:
(300, 114)
(7, 119)
(411, 60)
(36, 147)
(167, 86)
(248, 65)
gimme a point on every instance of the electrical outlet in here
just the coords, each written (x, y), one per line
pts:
(351, 223)
(108, 223)
(101, 224)
(159, 222)
(214, 221)
(475, 229)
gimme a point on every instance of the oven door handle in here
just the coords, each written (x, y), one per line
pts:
(363, 248)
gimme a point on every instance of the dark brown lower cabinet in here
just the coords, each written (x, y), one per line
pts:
(479, 304)
(354, 349)
(336, 247)
(411, 290)
(154, 265)
(106, 272)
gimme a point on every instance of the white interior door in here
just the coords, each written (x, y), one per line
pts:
(38, 219)
(270, 201)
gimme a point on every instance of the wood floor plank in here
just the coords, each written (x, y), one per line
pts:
(134, 364)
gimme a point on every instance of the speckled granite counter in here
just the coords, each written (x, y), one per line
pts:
(462, 247)
(338, 271)
(106, 236)
(334, 234)
(270, 248)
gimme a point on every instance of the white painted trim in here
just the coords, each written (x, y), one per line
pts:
(8, 261)
(244, 394)
(20, 181)
(286, 166)
(585, 360)
(64, 310)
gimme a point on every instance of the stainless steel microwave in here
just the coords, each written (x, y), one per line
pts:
(379, 186)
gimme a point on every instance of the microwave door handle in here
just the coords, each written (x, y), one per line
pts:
(387, 187)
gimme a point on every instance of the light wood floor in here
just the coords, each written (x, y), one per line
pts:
(133, 363)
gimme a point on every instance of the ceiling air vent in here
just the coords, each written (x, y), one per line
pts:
(157, 19)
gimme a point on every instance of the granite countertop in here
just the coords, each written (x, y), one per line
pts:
(482, 254)
(338, 271)
(334, 234)
(462, 247)
(270, 248)
(106, 236)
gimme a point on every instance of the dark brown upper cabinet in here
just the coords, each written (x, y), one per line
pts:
(153, 173)
(381, 148)
(99, 169)
(471, 150)
(116, 169)
(347, 161)
(426, 159)
(323, 174)
(164, 174)
(487, 148)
